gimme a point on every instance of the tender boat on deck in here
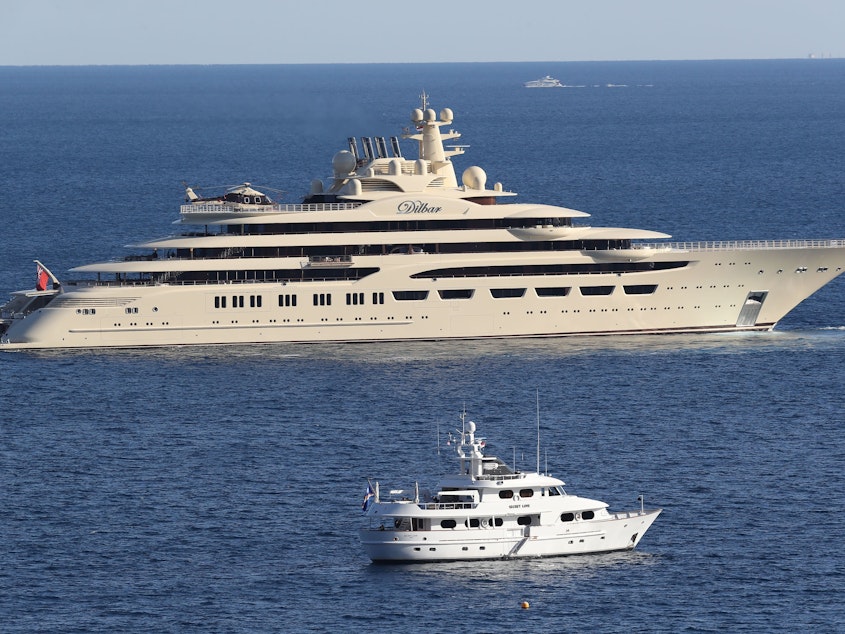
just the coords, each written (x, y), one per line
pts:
(489, 511)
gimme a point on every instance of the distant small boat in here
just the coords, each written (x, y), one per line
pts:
(545, 82)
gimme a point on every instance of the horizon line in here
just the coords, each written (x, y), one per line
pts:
(810, 57)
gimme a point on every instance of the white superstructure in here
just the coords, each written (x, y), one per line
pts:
(489, 511)
(544, 82)
(392, 248)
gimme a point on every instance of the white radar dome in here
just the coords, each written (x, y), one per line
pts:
(474, 178)
(471, 427)
(446, 115)
(344, 162)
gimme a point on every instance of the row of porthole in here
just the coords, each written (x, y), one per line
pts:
(524, 520)
(93, 311)
(507, 494)
(571, 517)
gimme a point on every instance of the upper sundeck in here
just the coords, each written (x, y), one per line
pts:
(359, 177)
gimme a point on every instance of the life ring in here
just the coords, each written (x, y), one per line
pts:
(516, 497)
(485, 523)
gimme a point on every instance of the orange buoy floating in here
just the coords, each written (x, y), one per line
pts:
(525, 605)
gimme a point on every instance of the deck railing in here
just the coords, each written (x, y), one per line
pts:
(212, 208)
(729, 245)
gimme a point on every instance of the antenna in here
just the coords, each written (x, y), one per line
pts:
(368, 148)
(538, 430)
(381, 146)
(353, 147)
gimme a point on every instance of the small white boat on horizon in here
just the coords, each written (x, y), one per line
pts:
(544, 82)
(489, 511)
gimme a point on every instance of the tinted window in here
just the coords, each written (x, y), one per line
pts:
(567, 517)
(404, 296)
(500, 293)
(459, 293)
(506, 494)
(640, 289)
(596, 290)
(448, 524)
(552, 291)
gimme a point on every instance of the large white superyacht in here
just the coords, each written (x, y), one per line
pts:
(393, 248)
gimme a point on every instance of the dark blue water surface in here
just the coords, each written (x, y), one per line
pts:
(219, 489)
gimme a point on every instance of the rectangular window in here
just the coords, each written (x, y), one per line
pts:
(407, 296)
(378, 298)
(596, 290)
(458, 293)
(552, 291)
(501, 293)
(252, 301)
(354, 299)
(640, 289)
(217, 302)
(287, 300)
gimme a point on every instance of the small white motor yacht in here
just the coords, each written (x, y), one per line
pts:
(544, 82)
(489, 511)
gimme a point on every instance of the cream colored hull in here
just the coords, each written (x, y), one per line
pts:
(708, 295)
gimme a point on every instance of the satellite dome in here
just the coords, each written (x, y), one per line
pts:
(344, 162)
(474, 178)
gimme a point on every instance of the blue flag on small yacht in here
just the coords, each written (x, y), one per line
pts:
(368, 498)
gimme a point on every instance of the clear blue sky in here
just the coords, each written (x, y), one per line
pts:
(37, 32)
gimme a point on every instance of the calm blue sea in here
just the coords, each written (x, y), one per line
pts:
(219, 489)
